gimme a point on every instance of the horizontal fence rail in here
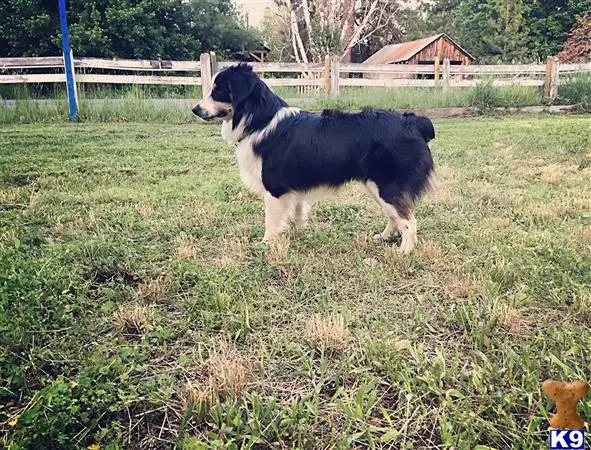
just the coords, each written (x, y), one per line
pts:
(317, 78)
(388, 68)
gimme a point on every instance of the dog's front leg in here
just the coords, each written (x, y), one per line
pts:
(278, 211)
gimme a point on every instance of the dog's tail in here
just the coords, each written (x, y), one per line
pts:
(427, 181)
(422, 124)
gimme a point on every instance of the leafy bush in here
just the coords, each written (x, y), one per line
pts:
(484, 96)
(576, 91)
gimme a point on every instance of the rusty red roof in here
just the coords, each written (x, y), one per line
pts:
(404, 51)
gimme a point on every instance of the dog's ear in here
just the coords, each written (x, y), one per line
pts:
(241, 86)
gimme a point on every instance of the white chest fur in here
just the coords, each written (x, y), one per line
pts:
(251, 165)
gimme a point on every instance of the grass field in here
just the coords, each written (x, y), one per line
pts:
(138, 308)
(160, 104)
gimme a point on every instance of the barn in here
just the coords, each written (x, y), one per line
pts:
(421, 51)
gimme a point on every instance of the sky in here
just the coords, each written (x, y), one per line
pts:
(255, 9)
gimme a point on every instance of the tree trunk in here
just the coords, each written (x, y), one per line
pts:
(295, 31)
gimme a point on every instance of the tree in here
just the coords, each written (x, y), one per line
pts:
(275, 29)
(171, 29)
(505, 30)
(28, 28)
(494, 30)
(217, 25)
(320, 27)
(577, 47)
(441, 16)
(549, 21)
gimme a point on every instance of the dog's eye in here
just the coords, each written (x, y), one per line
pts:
(221, 94)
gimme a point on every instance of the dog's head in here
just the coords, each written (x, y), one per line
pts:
(231, 87)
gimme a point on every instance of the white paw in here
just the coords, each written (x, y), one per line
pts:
(299, 225)
(407, 245)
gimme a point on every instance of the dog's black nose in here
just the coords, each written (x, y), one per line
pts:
(198, 111)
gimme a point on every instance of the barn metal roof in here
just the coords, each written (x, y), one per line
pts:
(404, 51)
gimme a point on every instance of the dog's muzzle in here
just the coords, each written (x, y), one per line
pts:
(200, 112)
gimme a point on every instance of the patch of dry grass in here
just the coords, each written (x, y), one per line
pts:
(554, 173)
(584, 306)
(133, 319)
(90, 221)
(550, 210)
(278, 248)
(186, 247)
(363, 243)
(146, 211)
(508, 318)
(430, 251)
(197, 213)
(224, 373)
(548, 173)
(228, 252)
(563, 208)
(586, 234)
(459, 285)
(8, 239)
(326, 331)
(153, 289)
(395, 260)
(10, 196)
(446, 194)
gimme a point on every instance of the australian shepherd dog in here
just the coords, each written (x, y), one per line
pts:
(292, 158)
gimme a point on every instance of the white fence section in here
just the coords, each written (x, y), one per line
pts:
(325, 77)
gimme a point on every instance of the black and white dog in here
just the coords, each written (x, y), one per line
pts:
(292, 158)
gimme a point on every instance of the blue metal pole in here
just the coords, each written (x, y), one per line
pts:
(68, 64)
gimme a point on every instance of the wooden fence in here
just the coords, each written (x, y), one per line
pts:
(327, 77)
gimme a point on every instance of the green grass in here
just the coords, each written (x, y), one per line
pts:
(98, 91)
(99, 110)
(162, 104)
(429, 98)
(576, 91)
(138, 308)
(171, 104)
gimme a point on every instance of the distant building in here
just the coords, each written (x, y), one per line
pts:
(421, 51)
(256, 54)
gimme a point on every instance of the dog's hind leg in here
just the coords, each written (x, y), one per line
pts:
(278, 212)
(392, 225)
(400, 217)
(408, 228)
(302, 209)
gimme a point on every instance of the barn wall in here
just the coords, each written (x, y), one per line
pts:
(443, 47)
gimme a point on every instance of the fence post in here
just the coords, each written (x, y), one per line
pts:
(554, 78)
(436, 75)
(334, 75)
(74, 79)
(205, 61)
(548, 76)
(68, 62)
(214, 63)
(327, 75)
(445, 80)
